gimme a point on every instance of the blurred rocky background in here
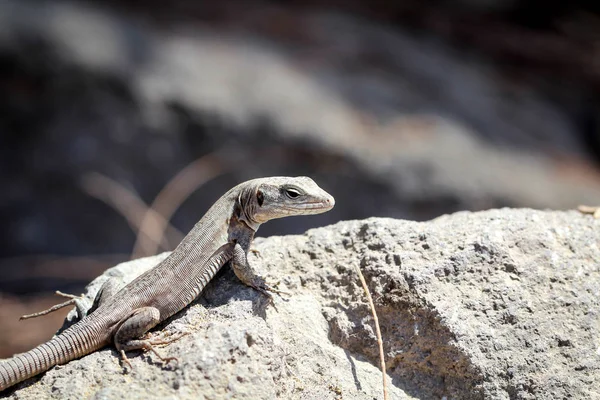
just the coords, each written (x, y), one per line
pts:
(402, 109)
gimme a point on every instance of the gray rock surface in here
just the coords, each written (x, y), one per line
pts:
(502, 304)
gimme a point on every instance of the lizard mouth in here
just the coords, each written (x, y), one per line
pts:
(312, 208)
(320, 206)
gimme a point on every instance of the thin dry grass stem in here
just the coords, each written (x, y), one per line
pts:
(127, 203)
(377, 331)
(175, 192)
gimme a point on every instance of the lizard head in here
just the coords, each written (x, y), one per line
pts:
(278, 197)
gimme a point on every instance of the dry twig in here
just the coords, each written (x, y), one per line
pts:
(377, 331)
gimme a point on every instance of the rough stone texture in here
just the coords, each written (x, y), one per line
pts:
(502, 304)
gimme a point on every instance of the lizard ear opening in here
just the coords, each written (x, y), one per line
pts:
(260, 197)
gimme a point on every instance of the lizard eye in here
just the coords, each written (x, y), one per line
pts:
(292, 193)
(260, 198)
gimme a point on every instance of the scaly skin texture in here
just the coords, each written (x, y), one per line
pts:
(224, 234)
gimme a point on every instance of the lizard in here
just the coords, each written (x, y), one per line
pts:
(123, 316)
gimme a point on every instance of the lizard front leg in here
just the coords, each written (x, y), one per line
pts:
(245, 273)
(127, 337)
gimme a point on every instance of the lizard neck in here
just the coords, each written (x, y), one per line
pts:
(245, 208)
(239, 231)
(250, 225)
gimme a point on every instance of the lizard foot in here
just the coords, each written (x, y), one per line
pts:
(148, 345)
(156, 339)
(265, 287)
(267, 291)
(595, 211)
(165, 360)
(136, 325)
(72, 301)
(125, 360)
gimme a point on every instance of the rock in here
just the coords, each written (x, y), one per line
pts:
(498, 304)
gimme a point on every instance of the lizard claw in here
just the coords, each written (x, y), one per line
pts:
(273, 290)
(268, 291)
(176, 336)
(262, 289)
(165, 360)
(125, 360)
(159, 338)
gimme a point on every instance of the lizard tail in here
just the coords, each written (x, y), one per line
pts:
(70, 344)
